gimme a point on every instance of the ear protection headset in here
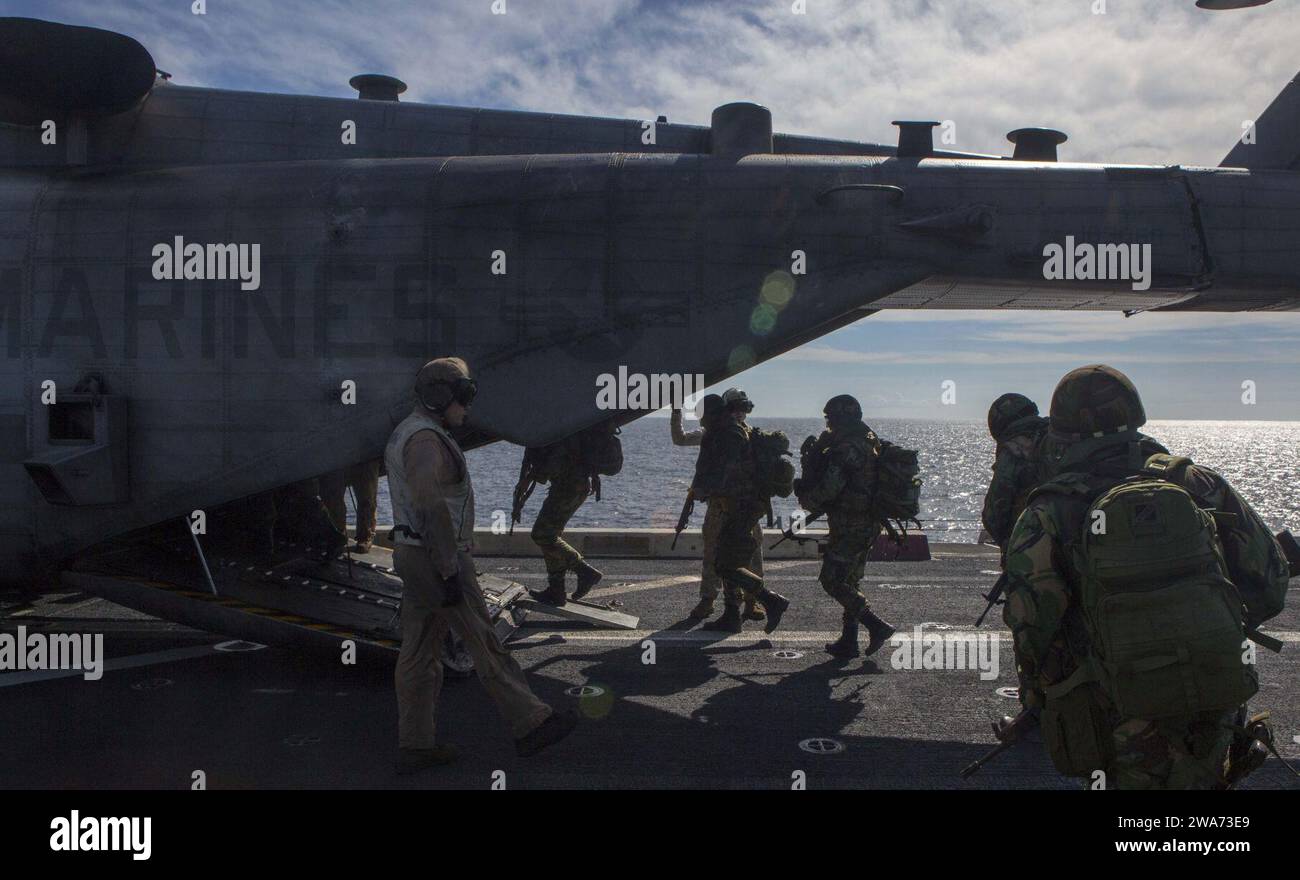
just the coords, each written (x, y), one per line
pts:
(442, 394)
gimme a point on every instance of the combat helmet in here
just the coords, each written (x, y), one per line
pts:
(1007, 409)
(737, 399)
(711, 406)
(843, 409)
(1096, 400)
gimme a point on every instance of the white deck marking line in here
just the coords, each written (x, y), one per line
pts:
(693, 571)
(111, 665)
(673, 580)
(704, 637)
(679, 580)
(655, 584)
(779, 637)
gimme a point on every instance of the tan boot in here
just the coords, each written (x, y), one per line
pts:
(752, 611)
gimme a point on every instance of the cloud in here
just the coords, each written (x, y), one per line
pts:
(1009, 355)
(1072, 328)
(1149, 81)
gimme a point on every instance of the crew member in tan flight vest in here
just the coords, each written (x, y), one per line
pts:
(433, 516)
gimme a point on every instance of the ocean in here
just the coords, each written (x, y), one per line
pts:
(1260, 459)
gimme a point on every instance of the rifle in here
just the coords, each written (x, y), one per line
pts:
(1009, 731)
(993, 597)
(523, 490)
(687, 509)
(788, 533)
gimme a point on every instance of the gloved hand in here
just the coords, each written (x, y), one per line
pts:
(453, 593)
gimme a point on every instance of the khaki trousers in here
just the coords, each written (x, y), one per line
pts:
(418, 677)
(364, 480)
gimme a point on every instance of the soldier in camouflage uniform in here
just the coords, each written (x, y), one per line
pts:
(724, 477)
(1020, 464)
(710, 584)
(843, 489)
(1095, 415)
(566, 471)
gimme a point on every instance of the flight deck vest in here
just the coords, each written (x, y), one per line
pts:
(459, 496)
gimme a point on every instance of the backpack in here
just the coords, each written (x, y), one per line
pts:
(813, 458)
(1164, 621)
(601, 450)
(898, 484)
(773, 468)
(541, 463)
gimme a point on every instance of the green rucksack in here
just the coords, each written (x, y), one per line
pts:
(542, 463)
(601, 450)
(773, 468)
(813, 458)
(1164, 620)
(898, 485)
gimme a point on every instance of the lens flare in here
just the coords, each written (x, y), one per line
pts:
(778, 289)
(741, 358)
(762, 320)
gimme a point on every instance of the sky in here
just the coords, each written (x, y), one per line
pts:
(1132, 81)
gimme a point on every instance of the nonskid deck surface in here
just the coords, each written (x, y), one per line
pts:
(747, 711)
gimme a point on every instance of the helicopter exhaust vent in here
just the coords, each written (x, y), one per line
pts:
(1036, 144)
(915, 139)
(377, 87)
(741, 129)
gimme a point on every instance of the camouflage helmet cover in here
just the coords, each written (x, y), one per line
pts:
(1007, 409)
(842, 409)
(710, 406)
(736, 398)
(1096, 400)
